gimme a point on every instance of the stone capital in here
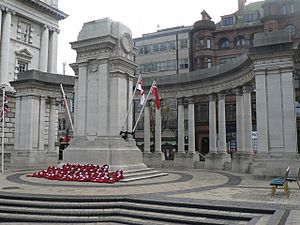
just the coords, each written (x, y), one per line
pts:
(211, 97)
(221, 96)
(238, 91)
(247, 89)
(180, 101)
(191, 100)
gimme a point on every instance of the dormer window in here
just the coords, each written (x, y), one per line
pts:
(250, 17)
(227, 21)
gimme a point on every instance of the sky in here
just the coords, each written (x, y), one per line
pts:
(140, 16)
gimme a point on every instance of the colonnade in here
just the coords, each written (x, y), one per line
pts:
(217, 123)
(48, 47)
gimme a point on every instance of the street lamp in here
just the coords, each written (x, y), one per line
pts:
(5, 88)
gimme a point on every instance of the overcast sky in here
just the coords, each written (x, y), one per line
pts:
(140, 16)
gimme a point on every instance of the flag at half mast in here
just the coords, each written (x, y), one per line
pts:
(156, 95)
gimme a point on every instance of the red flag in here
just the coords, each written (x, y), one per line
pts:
(156, 95)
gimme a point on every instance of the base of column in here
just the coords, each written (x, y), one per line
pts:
(216, 160)
(184, 160)
(242, 162)
(153, 159)
(274, 165)
(33, 159)
(113, 151)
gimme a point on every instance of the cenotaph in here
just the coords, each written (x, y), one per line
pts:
(104, 72)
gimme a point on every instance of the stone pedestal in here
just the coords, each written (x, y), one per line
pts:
(274, 165)
(105, 69)
(185, 160)
(153, 159)
(242, 162)
(216, 160)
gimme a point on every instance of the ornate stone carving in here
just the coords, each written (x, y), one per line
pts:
(93, 67)
(247, 89)
(221, 96)
(211, 97)
(180, 101)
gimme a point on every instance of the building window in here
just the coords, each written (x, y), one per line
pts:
(172, 45)
(22, 66)
(240, 41)
(25, 32)
(209, 62)
(290, 29)
(227, 21)
(287, 9)
(208, 43)
(163, 47)
(225, 60)
(183, 43)
(184, 63)
(155, 48)
(251, 40)
(224, 43)
(249, 17)
(284, 10)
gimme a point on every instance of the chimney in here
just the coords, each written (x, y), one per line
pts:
(242, 4)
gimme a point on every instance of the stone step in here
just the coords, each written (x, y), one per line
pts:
(146, 173)
(141, 211)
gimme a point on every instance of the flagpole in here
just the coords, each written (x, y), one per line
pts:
(131, 101)
(3, 122)
(143, 107)
(67, 106)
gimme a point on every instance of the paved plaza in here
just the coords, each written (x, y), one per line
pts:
(194, 186)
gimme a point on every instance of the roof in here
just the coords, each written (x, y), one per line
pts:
(44, 7)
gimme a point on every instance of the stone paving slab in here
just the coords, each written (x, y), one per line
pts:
(198, 185)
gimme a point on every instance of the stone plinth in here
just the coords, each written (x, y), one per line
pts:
(153, 159)
(216, 160)
(184, 160)
(103, 88)
(242, 162)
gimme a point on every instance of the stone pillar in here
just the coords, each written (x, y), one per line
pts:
(180, 107)
(221, 123)
(52, 123)
(43, 65)
(147, 128)
(52, 61)
(239, 119)
(216, 159)
(212, 124)
(130, 116)
(5, 44)
(247, 120)
(157, 130)
(242, 159)
(191, 124)
(42, 123)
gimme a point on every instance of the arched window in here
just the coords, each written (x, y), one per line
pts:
(224, 43)
(239, 41)
(290, 29)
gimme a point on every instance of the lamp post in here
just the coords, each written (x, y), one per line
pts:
(5, 88)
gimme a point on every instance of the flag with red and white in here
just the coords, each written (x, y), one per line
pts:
(156, 95)
(140, 87)
(4, 107)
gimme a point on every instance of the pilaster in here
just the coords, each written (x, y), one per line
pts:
(180, 108)
(43, 65)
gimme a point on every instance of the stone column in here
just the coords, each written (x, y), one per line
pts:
(41, 143)
(43, 65)
(52, 62)
(147, 128)
(180, 107)
(212, 124)
(191, 124)
(247, 117)
(52, 122)
(221, 123)
(5, 44)
(130, 116)
(239, 119)
(157, 130)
